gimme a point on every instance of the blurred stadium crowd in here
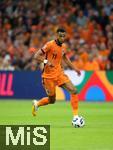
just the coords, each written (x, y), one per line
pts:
(26, 25)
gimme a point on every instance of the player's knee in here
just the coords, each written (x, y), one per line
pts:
(52, 99)
(73, 91)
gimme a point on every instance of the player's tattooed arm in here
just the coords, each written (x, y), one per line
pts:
(38, 59)
(69, 63)
(39, 56)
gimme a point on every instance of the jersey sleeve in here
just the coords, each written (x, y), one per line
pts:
(46, 47)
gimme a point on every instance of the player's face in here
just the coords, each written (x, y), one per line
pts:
(61, 36)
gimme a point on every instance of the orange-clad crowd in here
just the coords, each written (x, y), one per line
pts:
(25, 26)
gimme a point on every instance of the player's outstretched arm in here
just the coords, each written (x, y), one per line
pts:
(69, 63)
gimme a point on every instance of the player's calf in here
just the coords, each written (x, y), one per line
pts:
(73, 91)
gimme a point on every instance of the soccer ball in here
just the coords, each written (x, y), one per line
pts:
(78, 122)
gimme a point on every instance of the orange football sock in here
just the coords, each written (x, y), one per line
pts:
(74, 103)
(43, 101)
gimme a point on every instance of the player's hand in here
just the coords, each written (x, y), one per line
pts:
(78, 72)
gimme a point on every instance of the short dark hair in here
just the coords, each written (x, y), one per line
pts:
(61, 30)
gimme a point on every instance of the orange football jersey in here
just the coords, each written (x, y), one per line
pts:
(53, 53)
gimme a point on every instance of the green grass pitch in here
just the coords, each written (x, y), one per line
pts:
(96, 135)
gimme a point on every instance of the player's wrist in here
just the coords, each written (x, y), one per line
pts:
(45, 61)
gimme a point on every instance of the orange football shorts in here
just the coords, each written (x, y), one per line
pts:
(51, 83)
